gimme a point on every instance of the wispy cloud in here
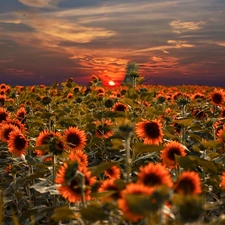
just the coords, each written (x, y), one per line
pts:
(17, 72)
(173, 45)
(180, 26)
(40, 3)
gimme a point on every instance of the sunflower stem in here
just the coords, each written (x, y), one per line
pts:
(128, 158)
(81, 181)
(53, 177)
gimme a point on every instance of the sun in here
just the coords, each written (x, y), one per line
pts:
(111, 83)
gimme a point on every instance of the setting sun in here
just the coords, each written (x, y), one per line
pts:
(111, 83)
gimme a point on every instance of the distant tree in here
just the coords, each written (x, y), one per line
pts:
(132, 74)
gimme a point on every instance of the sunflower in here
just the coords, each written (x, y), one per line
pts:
(113, 172)
(17, 143)
(70, 184)
(69, 96)
(2, 100)
(103, 128)
(52, 138)
(21, 114)
(189, 183)
(222, 112)
(133, 189)
(168, 153)
(109, 185)
(154, 175)
(217, 97)
(4, 115)
(80, 156)
(222, 183)
(16, 123)
(75, 138)
(5, 130)
(150, 131)
(221, 134)
(119, 106)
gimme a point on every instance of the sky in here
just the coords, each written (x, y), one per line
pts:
(174, 42)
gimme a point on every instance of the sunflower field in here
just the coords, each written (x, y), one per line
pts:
(144, 155)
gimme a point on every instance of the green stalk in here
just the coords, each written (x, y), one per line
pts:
(128, 158)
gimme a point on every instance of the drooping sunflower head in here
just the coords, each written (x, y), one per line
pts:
(5, 130)
(52, 139)
(217, 97)
(119, 106)
(168, 153)
(222, 182)
(150, 131)
(17, 143)
(79, 156)
(133, 189)
(110, 185)
(2, 100)
(21, 114)
(68, 176)
(113, 172)
(75, 138)
(154, 175)
(189, 183)
(104, 128)
(16, 123)
(221, 134)
(4, 114)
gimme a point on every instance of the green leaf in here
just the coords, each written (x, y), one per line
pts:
(102, 167)
(187, 162)
(147, 96)
(129, 101)
(195, 137)
(140, 148)
(63, 213)
(93, 212)
(210, 166)
(185, 122)
(117, 143)
(211, 144)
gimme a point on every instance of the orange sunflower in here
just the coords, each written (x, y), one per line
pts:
(154, 175)
(150, 131)
(168, 153)
(75, 138)
(51, 138)
(222, 183)
(103, 128)
(69, 96)
(217, 97)
(119, 106)
(109, 185)
(4, 115)
(80, 156)
(70, 185)
(134, 189)
(17, 143)
(21, 114)
(5, 130)
(2, 100)
(221, 134)
(189, 183)
(113, 172)
(16, 123)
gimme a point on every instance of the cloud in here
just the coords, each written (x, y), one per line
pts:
(40, 3)
(5, 61)
(174, 45)
(17, 72)
(180, 26)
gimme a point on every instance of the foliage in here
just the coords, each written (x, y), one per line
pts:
(52, 181)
